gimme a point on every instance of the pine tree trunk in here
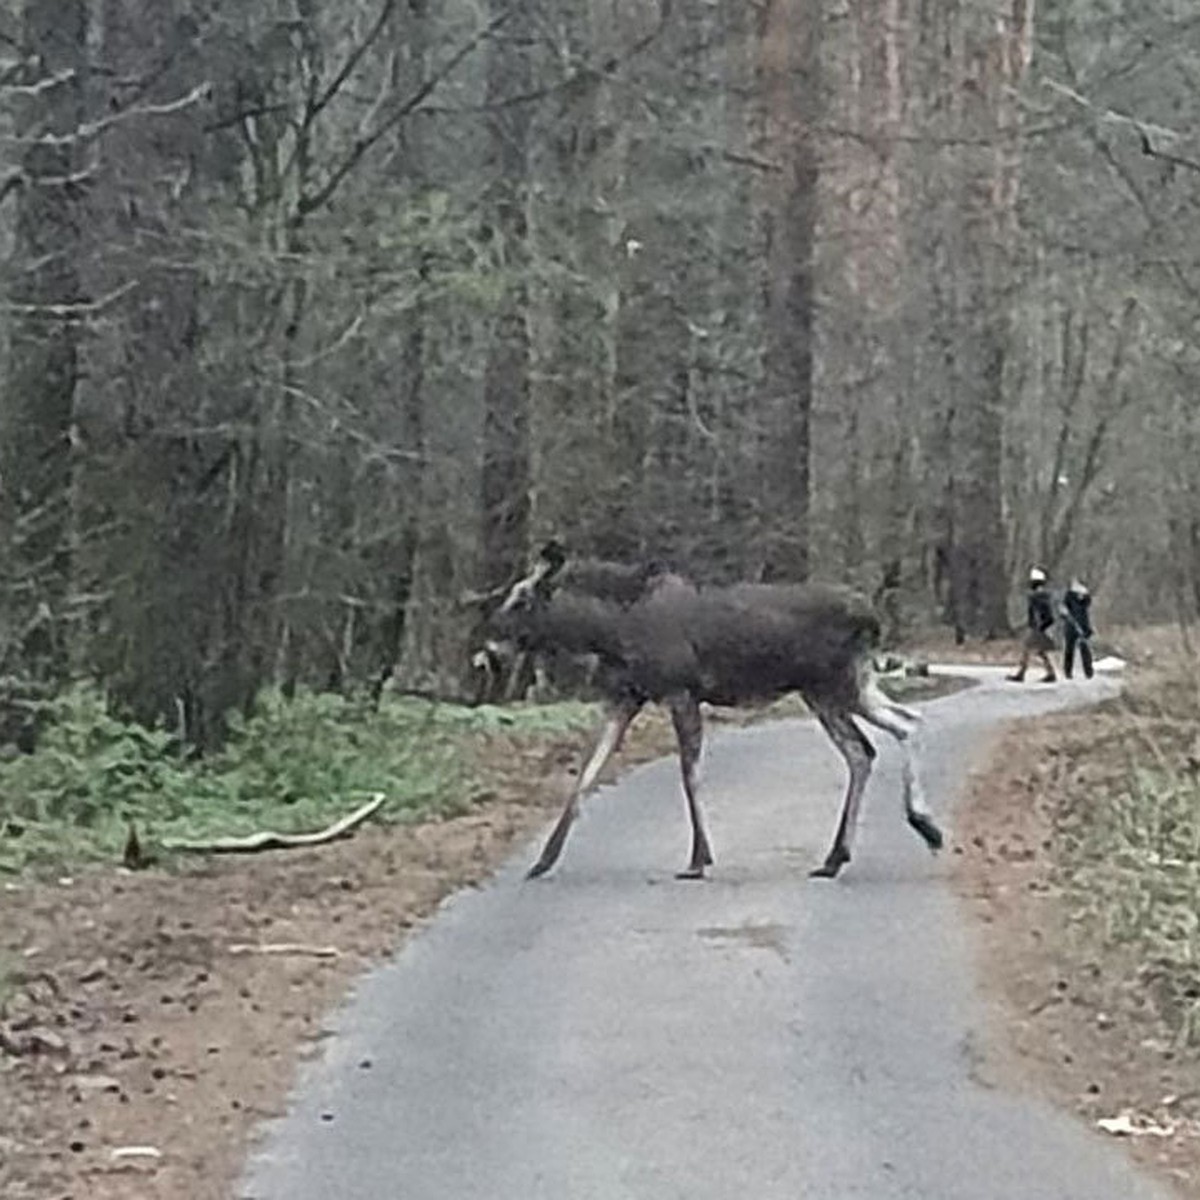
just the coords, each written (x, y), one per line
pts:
(789, 50)
(36, 458)
(505, 479)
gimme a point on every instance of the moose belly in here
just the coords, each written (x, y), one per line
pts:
(760, 680)
(760, 687)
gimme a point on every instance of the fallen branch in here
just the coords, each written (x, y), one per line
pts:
(270, 840)
(285, 948)
(119, 1153)
(22, 1043)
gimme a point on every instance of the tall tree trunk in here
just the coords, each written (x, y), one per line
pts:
(505, 480)
(36, 460)
(412, 486)
(789, 50)
(158, 570)
(978, 579)
(409, 69)
(575, 225)
(992, 71)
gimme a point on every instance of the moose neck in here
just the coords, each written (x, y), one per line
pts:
(620, 583)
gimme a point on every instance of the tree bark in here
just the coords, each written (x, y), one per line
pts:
(994, 59)
(159, 571)
(37, 459)
(505, 479)
(789, 49)
(410, 66)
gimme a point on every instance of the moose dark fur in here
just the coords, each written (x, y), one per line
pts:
(660, 638)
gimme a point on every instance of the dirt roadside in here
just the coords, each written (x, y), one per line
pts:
(160, 1015)
(1062, 1027)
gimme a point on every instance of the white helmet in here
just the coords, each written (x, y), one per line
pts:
(1037, 575)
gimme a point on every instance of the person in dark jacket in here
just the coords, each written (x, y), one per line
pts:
(1040, 618)
(1077, 628)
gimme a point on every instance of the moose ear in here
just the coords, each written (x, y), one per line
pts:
(553, 558)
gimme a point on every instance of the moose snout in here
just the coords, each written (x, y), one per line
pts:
(494, 657)
(491, 655)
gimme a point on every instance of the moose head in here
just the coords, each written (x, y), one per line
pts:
(565, 606)
(509, 630)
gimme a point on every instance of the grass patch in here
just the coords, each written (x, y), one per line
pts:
(295, 764)
(1128, 849)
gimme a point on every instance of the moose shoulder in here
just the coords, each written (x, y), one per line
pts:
(660, 638)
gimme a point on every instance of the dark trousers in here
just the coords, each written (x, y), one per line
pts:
(1072, 640)
(1039, 642)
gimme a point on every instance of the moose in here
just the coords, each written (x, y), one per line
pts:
(660, 638)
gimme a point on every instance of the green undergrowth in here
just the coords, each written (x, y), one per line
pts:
(1128, 850)
(294, 765)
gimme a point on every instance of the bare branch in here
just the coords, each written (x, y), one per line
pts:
(42, 85)
(1174, 159)
(90, 129)
(577, 82)
(352, 60)
(80, 308)
(1147, 131)
(311, 201)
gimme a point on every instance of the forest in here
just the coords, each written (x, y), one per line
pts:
(319, 317)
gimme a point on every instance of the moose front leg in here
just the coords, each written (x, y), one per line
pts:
(689, 730)
(619, 717)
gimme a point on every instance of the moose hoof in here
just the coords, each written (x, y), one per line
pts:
(930, 833)
(538, 869)
(693, 872)
(831, 866)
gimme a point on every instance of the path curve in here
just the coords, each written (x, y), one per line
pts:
(609, 1033)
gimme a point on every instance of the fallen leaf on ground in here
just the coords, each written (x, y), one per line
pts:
(1127, 1124)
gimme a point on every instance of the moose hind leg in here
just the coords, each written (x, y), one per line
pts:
(859, 755)
(614, 728)
(689, 731)
(916, 810)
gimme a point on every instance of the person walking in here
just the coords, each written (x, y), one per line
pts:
(1076, 613)
(1040, 619)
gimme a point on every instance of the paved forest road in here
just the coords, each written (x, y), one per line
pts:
(609, 1033)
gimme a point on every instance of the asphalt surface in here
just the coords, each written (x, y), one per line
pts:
(610, 1033)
